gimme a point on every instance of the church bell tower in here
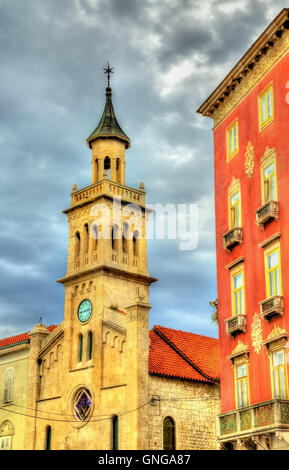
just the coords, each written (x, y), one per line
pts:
(106, 319)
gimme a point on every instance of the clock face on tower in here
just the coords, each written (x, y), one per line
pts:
(84, 311)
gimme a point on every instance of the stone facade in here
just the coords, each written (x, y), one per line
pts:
(193, 407)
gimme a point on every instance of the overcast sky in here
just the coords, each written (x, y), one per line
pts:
(168, 56)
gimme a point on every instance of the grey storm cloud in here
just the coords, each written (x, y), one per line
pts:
(167, 56)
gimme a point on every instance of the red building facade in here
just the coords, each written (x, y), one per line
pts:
(250, 110)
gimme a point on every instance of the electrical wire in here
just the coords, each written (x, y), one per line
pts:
(152, 400)
(75, 420)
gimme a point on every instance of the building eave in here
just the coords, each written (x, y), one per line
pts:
(267, 40)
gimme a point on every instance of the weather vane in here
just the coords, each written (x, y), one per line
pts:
(108, 70)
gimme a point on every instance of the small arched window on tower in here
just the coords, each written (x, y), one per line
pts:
(77, 244)
(135, 243)
(48, 434)
(118, 171)
(89, 345)
(96, 175)
(125, 235)
(80, 347)
(107, 166)
(169, 434)
(8, 385)
(94, 235)
(115, 432)
(115, 237)
(85, 239)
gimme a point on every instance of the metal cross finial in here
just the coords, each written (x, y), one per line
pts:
(108, 70)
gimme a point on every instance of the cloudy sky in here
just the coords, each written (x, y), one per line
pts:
(168, 55)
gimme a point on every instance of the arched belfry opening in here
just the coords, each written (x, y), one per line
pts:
(125, 236)
(77, 245)
(107, 167)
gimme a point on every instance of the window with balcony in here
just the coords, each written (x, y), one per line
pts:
(237, 322)
(238, 293)
(279, 376)
(234, 235)
(270, 207)
(242, 385)
(266, 107)
(273, 304)
(269, 182)
(232, 140)
(273, 273)
(235, 212)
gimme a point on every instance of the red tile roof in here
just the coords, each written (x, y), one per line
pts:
(20, 338)
(176, 353)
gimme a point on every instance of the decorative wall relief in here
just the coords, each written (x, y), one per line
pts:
(257, 333)
(249, 160)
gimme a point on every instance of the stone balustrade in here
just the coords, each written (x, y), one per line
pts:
(108, 188)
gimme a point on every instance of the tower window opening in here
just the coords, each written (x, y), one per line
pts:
(107, 166)
(94, 235)
(96, 175)
(115, 237)
(77, 244)
(118, 177)
(86, 238)
(135, 243)
(125, 235)
(89, 345)
(80, 347)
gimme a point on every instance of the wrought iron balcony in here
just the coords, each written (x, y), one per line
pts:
(268, 211)
(233, 237)
(236, 324)
(266, 416)
(272, 306)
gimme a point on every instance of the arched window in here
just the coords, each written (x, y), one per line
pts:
(77, 244)
(125, 235)
(85, 239)
(94, 235)
(118, 176)
(135, 243)
(115, 432)
(48, 438)
(80, 347)
(169, 434)
(8, 385)
(96, 175)
(115, 236)
(89, 345)
(107, 166)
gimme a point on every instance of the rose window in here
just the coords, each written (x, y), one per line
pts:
(82, 404)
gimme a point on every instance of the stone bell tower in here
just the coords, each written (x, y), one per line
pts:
(106, 320)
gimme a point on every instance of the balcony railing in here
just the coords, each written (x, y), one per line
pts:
(255, 418)
(232, 237)
(268, 211)
(236, 324)
(110, 188)
(272, 306)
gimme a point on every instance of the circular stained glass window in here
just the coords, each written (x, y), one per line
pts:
(83, 404)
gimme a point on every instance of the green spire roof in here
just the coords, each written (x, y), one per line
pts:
(108, 126)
